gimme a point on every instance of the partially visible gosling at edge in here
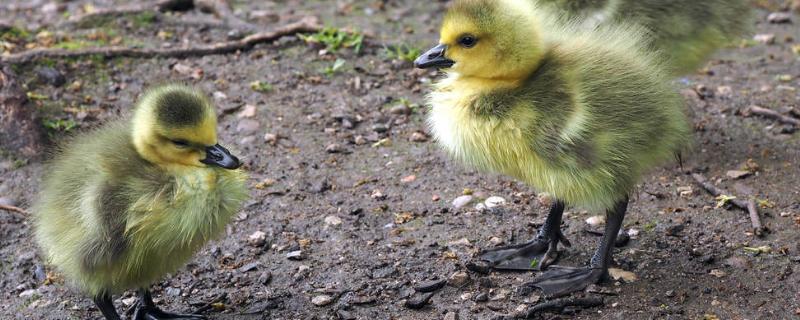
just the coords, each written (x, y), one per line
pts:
(125, 204)
(575, 113)
(686, 31)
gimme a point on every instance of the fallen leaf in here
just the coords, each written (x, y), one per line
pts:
(618, 274)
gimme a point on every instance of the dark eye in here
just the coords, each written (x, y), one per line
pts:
(180, 143)
(467, 41)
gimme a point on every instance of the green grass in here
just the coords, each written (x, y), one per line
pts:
(15, 34)
(59, 125)
(260, 86)
(402, 52)
(650, 226)
(334, 68)
(144, 19)
(335, 39)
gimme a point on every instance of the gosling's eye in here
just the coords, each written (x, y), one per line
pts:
(467, 41)
(180, 143)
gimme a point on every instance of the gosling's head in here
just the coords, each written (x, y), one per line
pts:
(176, 126)
(492, 39)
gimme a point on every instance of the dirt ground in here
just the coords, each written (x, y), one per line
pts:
(341, 170)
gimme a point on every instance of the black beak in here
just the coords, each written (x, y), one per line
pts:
(217, 155)
(434, 58)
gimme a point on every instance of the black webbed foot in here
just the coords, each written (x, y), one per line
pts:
(536, 254)
(147, 310)
(558, 281)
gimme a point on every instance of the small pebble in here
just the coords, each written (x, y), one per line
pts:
(333, 221)
(596, 220)
(765, 38)
(462, 201)
(737, 174)
(51, 76)
(779, 17)
(295, 255)
(333, 148)
(496, 241)
(419, 300)
(430, 286)
(322, 300)
(458, 279)
(481, 297)
(417, 136)
(493, 202)
(257, 239)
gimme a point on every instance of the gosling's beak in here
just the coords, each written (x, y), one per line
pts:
(217, 155)
(434, 58)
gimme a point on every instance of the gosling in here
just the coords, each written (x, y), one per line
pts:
(127, 203)
(575, 113)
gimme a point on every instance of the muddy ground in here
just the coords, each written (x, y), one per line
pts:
(341, 170)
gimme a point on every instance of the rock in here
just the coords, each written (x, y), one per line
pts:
(333, 221)
(400, 109)
(30, 293)
(295, 255)
(765, 38)
(724, 92)
(271, 138)
(334, 148)
(129, 301)
(450, 315)
(172, 291)
(257, 239)
(458, 279)
(461, 201)
(494, 202)
(360, 140)
(674, 230)
(481, 297)
(51, 76)
(265, 278)
(380, 127)
(219, 95)
(408, 179)
(430, 286)
(322, 300)
(248, 111)
(249, 267)
(418, 136)
(685, 191)
(718, 273)
(619, 274)
(496, 241)
(596, 220)
(633, 233)
(779, 17)
(247, 126)
(669, 293)
(419, 300)
(738, 174)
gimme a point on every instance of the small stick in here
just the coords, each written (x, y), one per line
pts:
(771, 114)
(749, 206)
(210, 305)
(305, 25)
(559, 305)
(13, 209)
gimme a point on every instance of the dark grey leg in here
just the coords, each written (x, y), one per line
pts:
(106, 306)
(147, 310)
(558, 281)
(536, 254)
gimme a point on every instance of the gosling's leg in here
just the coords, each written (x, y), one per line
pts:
(106, 306)
(147, 310)
(558, 281)
(536, 254)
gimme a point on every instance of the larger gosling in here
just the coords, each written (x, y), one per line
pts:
(578, 114)
(126, 204)
(686, 31)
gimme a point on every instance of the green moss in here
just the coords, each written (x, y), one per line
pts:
(261, 86)
(144, 19)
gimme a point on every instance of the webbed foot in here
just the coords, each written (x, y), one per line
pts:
(536, 254)
(559, 280)
(147, 310)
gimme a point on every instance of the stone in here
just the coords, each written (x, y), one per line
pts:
(458, 279)
(257, 239)
(295, 255)
(462, 201)
(494, 202)
(765, 38)
(596, 220)
(738, 174)
(333, 221)
(322, 300)
(779, 17)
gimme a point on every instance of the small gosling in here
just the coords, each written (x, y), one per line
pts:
(580, 114)
(125, 204)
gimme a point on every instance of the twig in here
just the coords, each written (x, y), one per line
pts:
(749, 206)
(559, 305)
(305, 25)
(770, 114)
(13, 209)
(210, 304)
